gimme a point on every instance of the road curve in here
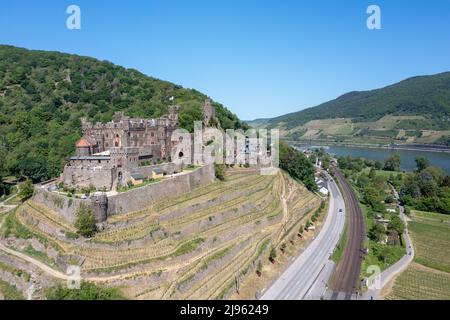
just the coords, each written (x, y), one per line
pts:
(347, 277)
(297, 280)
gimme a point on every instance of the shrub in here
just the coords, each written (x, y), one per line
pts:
(88, 291)
(273, 254)
(27, 190)
(220, 172)
(85, 221)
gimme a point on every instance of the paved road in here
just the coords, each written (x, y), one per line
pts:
(388, 274)
(346, 282)
(296, 282)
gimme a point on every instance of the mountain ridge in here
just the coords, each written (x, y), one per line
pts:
(417, 103)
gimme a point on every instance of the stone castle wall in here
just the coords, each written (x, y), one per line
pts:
(130, 201)
(65, 206)
(84, 177)
(140, 198)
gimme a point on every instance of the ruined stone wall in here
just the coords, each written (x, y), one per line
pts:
(81, 176)
(140, 198)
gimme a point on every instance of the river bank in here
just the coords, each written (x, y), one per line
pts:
(408, 156)
(412, 147)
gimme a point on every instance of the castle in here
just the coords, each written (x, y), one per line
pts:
(110, 154)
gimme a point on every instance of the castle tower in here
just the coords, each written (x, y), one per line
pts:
(209, 112)
(100, 207)
(174, 112)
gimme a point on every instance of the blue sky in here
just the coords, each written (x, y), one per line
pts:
(261, 58)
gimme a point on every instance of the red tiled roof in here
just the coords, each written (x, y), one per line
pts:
(83, 143)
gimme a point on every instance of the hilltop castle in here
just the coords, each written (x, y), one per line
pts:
(110, 154)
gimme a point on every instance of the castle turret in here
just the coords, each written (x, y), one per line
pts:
(174, 115)
(100, 207)
(209, 112)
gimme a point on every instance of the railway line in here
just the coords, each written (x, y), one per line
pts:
(347, 276)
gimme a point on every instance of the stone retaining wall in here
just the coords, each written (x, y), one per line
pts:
(64, 205)
(130, 201)
(140, 198)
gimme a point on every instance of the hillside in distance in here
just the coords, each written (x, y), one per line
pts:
(43, 95)
(416, 110)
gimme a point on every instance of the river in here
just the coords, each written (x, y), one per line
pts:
(438, 159)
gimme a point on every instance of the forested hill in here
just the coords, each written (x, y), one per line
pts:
(427, 96)
(43, 95)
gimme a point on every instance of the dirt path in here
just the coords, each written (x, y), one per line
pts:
(62, 276)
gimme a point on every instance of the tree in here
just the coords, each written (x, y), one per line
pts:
(422, 163)
(273, 254)
(220, 172)
(389, 199)
(372, 174)
(85, 221)
(378, 165)
(297, 165)
(383, 253)
(446, 182)
(27, 190)
(397, 225)
(377, 233)
(393, 163)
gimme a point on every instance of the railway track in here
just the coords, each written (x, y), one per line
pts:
(347, 277)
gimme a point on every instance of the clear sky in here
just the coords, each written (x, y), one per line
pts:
(261, 58)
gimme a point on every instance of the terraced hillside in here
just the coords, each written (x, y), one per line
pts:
(192, 247)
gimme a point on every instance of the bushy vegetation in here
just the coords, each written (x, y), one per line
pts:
(220, 172)
(85, 221)
(384, 229)
(426, 189)
(9, 291)
(43, 95)
(297, 165)
(87, 291)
